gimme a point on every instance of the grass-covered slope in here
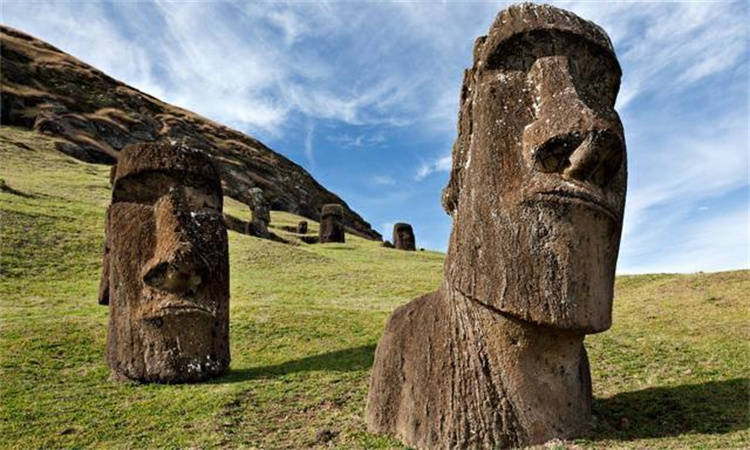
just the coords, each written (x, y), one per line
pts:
(672, 372)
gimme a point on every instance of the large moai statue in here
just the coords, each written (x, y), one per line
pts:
(495, 357)
(260, 214)
(331, 224)
(403, 237)
(166, 267)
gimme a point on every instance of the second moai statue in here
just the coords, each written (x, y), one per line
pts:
(331, 224)
(403, 237)
(166, 267)
(302, 227)
(260, 214)
(495, 358)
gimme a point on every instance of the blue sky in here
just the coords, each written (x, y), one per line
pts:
(365, 95)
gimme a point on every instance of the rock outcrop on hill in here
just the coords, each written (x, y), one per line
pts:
(95, 116)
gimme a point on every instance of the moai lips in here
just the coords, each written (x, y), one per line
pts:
(403, 237)
(166, 271)
(495, 357)
(331, 224)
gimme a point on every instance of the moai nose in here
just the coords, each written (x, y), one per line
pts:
(568, 137)
(176, 266)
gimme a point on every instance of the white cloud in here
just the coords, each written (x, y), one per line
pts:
(358, 141)
(442, 164)
(309, 144)
(383, 180)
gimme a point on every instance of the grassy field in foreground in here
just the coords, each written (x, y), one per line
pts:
(671, 373)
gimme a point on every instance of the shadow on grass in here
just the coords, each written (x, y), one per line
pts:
(348, 360)
(715, 407)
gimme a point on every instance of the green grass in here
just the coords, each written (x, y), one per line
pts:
(304, 323)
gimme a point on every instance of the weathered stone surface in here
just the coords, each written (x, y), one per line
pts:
(302, 227)
(495, 357)
(166, 267)
(96, 116)
(403, 237)
(260, 214)
(331, 227)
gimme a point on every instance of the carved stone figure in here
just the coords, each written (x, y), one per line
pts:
(403, 237)
(166, 267)
(331, 224)
(302, 227)
(261, 214)
(495, 357)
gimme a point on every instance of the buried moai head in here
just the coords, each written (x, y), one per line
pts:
(331, 224)
(403, 237)
(260, 213)
(537, 187)
(302, 227)
(166, 275)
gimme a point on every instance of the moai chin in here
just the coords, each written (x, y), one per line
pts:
(495, 357)
(166, 267)
(260, 214)
(331, 224)
(403, 237)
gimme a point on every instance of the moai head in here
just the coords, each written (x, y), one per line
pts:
(167, 267)
(403, 237)
(331, 224)
(537, 188)
(302, 227)
(261, 215)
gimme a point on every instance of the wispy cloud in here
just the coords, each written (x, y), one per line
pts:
(358, 141)
(678, 42)
(309, 144)
(383, 180)
(442, 164)
(385, 76)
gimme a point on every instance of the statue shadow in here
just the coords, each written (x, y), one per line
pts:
(714, 407)
(347, 360)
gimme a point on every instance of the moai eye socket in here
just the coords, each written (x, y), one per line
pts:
(148, 187)
(144, 188)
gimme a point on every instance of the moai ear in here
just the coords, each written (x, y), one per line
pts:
(104, 280)
(450, 193)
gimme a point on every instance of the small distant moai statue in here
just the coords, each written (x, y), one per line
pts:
(386, 244)
(166, 267)
(331, 224)
(495, 358)
(403, 237)
(302, 227)
(261, 214)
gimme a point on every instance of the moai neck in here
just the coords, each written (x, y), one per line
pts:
(542, 372)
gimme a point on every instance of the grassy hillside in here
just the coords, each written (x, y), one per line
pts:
(672, 372)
